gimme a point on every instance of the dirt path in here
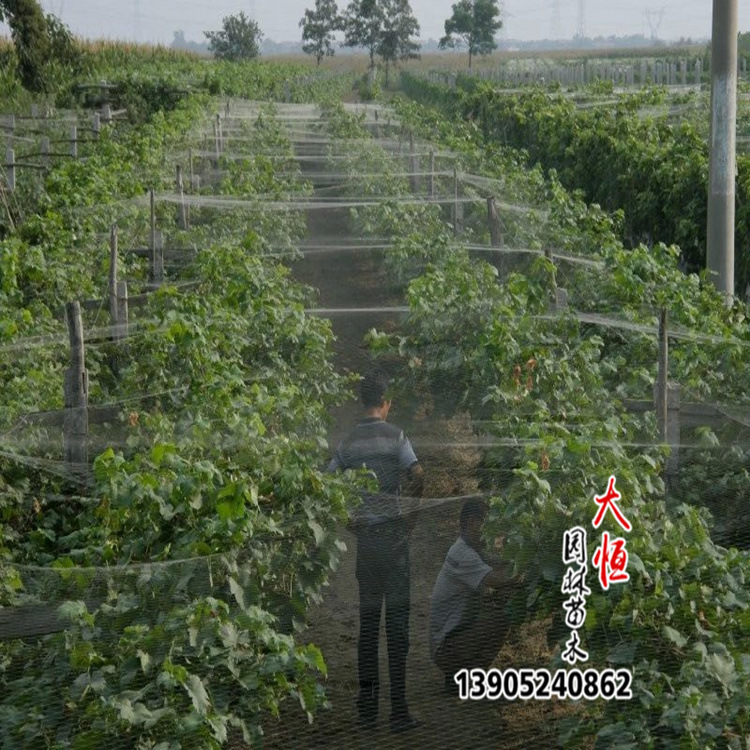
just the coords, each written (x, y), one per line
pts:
(355, 278)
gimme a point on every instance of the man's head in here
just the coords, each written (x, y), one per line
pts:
(374, 392)
(473, 515)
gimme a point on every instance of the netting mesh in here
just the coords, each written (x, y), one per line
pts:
(523, 369)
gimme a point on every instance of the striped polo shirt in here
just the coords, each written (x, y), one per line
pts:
(383, 449)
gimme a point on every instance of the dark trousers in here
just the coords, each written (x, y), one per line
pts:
(383, 574)
(475, 643)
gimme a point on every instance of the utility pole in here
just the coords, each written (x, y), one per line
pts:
(722, 161)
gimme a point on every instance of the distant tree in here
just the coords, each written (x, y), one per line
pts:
(363, 26)
(28, 29)
(238, 39)
(42, 43)
(318, 29)
(399, 26)
(473, 24)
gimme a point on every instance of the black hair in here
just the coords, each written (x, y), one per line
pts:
(472, 509)
(373, 388)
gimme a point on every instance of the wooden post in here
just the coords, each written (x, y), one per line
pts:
(34, 111)
(431, 178)
(457, 217)
(106, 114)
(376, 127)
(413, 165)
(553, 284)
(493, 219)
(219, 135)
(157, 258)
(10, 169)
(112, 280)
(44, 148)
(182, 221)
(191, 172)
(226, 110)
(217, 148)
(662, 376)
(74, 141)
(96, 124)
(75, 421)
(287, 92)
(152, 223)
(121, 297)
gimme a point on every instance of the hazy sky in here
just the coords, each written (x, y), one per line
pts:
(279, 19)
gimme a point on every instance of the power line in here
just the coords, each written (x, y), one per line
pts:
(581, 32)
(555, 27)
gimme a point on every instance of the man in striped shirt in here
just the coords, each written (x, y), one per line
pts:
(382, 525)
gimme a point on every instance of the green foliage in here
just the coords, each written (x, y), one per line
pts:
(382, 27)
(208, 528)
(318, 29)
(238, 39)
(363, 22)
(557, 385)
(28, 28)
(400, 26)
(473, 24)
(367, 89)
(654, 170)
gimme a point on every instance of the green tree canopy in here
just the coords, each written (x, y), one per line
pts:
(319, 27)
(43, 44)
(382, 27)
(363, 23)
(238, 39)
(473, 24)
(399, 28)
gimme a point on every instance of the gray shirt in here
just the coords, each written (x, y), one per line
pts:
(457, 585)
(383, 449)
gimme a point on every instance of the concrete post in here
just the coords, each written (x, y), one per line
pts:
(722, 160)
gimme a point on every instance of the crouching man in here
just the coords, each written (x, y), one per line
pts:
(467, 622)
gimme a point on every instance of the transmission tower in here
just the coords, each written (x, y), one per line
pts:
(555, 27)
(654, 17)
(581, 32)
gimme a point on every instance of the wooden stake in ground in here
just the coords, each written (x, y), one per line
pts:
(157, 258)
(457, 207)
(75, 422)
(413, 165)
(182, 220)
(152, 224)
(10, 169)
(431, 178)
(121, 296)
(74, 141)
(112, 280)
(44, 149)
(493, 219)
(662, 376)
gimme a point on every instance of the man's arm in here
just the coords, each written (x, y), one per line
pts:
(501, 577)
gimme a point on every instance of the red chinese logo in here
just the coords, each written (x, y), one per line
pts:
(607, 500)
(611, 558)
